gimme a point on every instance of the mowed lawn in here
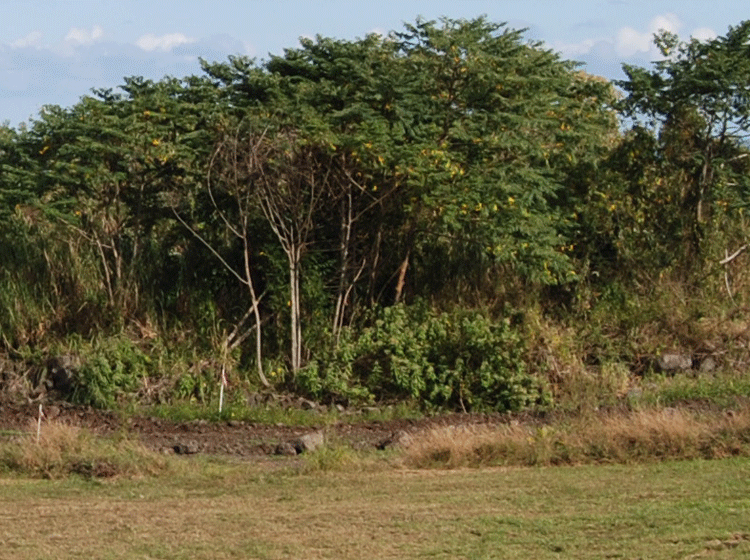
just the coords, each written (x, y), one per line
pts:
(689, 509)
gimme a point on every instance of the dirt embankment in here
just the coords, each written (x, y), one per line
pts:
(235, 438)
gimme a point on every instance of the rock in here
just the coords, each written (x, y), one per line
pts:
(51, 412)
(396, 440)
(310, 442)
(708, 365)
(62, 371)
(672, 362)
(305, 404)
(285, 448)
(188, 448)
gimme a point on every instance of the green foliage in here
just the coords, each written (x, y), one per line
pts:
(694, 104)
(723, 390)
(461, 360)
(319, 196)
(507, 130)
(113, 369)
(331, 375)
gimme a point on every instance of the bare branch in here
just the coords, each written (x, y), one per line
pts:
(733, 256)
(208, 246)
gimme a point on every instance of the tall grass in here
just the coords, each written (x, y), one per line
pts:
(61, 450)
(615, 437)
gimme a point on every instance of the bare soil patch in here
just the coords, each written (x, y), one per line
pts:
(230, 438)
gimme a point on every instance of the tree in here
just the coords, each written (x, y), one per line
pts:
(445, 150)
(106, 162)
(696, 102)
(313, 139)
(232, 199)
(505, 129)
(355, 90)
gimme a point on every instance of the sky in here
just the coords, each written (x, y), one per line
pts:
(55, 51)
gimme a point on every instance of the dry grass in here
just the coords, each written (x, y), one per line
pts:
(621, 437)
(686, 509)
(62, 449)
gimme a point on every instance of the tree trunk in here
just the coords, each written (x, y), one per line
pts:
(401, 278)
(341, 297)
(294, 304)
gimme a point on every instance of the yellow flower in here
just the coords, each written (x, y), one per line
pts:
(155, 142)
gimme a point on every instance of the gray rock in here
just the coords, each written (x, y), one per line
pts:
(285, 448)
(187, 448)
(305, 404)
(672, 362)
(397, 440)
(310, 442)
(708, 365)
(62, 372)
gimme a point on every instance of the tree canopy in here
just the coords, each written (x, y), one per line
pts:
(442, 178)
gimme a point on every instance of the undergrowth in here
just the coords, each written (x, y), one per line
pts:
(62, 450)
(189, 411)
(614, 437)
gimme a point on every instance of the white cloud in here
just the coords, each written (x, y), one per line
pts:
(577, 49)
(605, 54)
(164, 43)
(666, 22)
(630, 42)
(704, 34)
(77, 36)
(33, 39)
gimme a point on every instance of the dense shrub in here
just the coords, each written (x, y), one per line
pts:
(114, 369)
(461, 360)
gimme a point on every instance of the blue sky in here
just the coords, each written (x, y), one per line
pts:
(55, 51)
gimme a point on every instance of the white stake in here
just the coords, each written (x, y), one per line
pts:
(221, 388)
(39, 423)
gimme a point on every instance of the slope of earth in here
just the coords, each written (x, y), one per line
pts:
(234, 438)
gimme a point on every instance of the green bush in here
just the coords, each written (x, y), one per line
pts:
(460, 360)
(114, 369)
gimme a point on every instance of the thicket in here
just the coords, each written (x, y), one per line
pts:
(448, 214)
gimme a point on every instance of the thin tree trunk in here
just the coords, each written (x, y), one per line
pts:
(401, 277)
(258, 340)
(375, 262)
(346, 231)
(294, 305)
(255, 302)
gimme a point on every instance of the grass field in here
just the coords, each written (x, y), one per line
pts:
(685, 509)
